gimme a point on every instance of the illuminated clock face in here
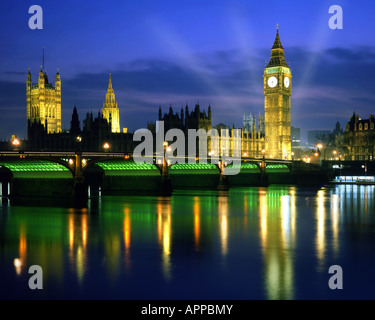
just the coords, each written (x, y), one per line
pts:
(272, 82)
(286, 82)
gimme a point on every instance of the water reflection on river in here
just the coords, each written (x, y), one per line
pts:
(247, 243)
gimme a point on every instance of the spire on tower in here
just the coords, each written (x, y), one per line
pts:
(277, 52)
(29, 78)
(277, 44)
(110, 82)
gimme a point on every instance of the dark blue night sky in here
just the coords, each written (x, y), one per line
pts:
(173, 52)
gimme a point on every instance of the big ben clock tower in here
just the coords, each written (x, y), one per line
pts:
(277, 92)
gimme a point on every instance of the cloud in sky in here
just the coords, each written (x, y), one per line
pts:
(335, 85)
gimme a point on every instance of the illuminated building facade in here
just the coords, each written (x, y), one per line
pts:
(359, 138)
(110, 110)
(277, 93)
(43, 102)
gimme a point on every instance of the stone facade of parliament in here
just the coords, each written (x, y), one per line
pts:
(44, 129)
(43, 102)
(271, 135)
(273, 132)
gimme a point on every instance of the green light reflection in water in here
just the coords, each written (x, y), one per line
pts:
(203, 224)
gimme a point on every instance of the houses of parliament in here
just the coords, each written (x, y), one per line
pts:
(270, 138)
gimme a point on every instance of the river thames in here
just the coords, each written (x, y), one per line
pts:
(245, 243)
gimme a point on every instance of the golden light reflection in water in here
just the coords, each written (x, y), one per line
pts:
(127, 233)
(285, 221)
(78, 242)
(293, 214)
(84, 231)
(335, 212)
(223, 223)
(320, 240)
(164, 236)
(21, 261)
(71, 235)
(277, 215)
(17, 264)
(196, 223)
(263, 219)
(80, 263)
(81, 250)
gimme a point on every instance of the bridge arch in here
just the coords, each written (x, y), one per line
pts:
(27, 177)
(120, 176)
(278, 167)
(41, 167)
(5, 180)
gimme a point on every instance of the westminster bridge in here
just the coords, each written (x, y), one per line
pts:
(90, 174)
(82, 174)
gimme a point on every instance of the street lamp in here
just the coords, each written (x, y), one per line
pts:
(320, 146)
(15, 143)
(106, 146)
(334, 152)
(365, 167)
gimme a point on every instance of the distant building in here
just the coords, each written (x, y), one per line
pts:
(43, 102)
(296, 137)
(359, 138)
(331, 142)
(248, 123)
(337, 131)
